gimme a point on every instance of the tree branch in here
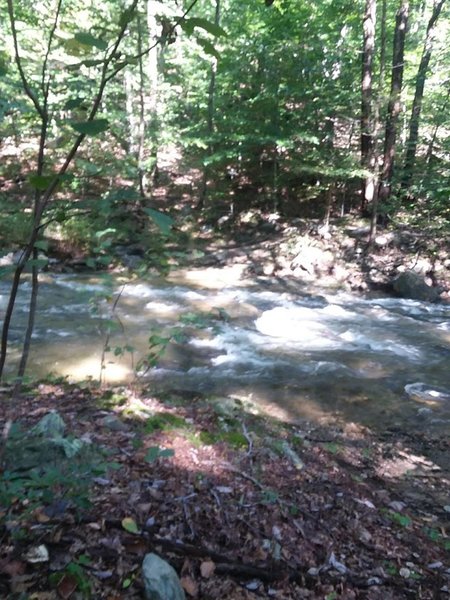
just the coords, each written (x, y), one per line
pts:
(26, 86)
(45, 85)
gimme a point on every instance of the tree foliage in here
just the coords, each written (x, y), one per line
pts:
(264, 98)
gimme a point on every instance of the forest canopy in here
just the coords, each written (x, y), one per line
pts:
(296, 109)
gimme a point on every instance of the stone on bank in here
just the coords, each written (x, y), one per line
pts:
(160, 580)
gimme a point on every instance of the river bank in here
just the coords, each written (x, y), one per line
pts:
(243, 506)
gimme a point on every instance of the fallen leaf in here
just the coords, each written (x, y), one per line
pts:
(224, 489)
(102, 574)
(14, 568)
(136, 545)
(67, 586)
(397, 505)
(189, 586)
(207, 568)
(130, 525)
(333, 562)
(37, 554)
(365, 502)
(21, 583)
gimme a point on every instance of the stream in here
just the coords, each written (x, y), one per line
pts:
(318, 355)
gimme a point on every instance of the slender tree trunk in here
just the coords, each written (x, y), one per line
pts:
(128, 81)
(382, 70)
(152, 96)
(141, 124)
(393, 113)
(413, 134)
(30, 326)
(210, 117)
(331, 191)
(367, 116)
(432, 142)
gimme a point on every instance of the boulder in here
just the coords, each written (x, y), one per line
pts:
(412, 285)
(160, 580)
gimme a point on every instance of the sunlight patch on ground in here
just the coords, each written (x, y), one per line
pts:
(90, 368)
(263, 403)
(407, 463)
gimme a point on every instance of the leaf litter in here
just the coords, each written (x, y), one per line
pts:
(241, 506)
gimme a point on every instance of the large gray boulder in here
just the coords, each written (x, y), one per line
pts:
(160, 580)
(412, 285)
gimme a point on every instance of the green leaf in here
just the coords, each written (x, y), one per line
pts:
(162, 220)
(155, 452)
(131, 60)
(104, 260)
(208, 48)
(38, 262)
(93, 127)
(40, 182)
(115, 466)
(189, 24)
(91, 62)
(126, 17)
(166, 453)
(73, 103)
(130, 525)
(87, 39)
(41, 245)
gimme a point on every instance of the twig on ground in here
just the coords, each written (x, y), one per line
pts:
(187, 516)
(248, 438)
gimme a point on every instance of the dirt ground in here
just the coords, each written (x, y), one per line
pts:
(242, 506)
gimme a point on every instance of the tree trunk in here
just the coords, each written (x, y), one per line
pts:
(151, 100)
(367, 117)
(210, 117)
(141, 126)
(413, 135)
(393, 111)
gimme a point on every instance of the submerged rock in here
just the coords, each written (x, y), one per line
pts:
(422, 392)
(160, 580)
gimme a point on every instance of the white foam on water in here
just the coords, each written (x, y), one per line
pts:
(67, 308)
(79, 286)
(162, 307)
(334, 310)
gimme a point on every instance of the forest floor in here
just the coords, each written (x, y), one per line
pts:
(243, 506)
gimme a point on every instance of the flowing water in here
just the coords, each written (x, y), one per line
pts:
(377, 361)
